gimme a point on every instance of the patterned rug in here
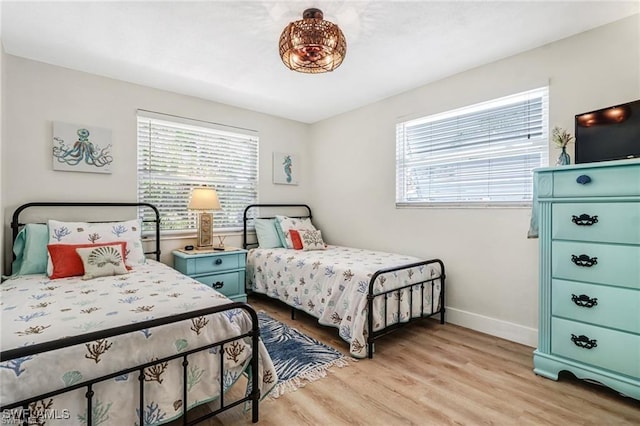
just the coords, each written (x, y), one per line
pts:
(298, 358)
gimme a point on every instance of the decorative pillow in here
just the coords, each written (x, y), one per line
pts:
(266, 233)
(30, 248)
(288, 223)
(295, 239)
(106, 232)
(66, 261)
(311, 240)
(283, 240)
(102, 261)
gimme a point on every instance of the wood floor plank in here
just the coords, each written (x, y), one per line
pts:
(433, 374)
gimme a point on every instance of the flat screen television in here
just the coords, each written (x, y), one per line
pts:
(611, 133)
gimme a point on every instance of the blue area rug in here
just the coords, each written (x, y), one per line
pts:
(297, 358)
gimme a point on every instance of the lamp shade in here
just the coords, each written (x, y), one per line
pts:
(204, 198)
(312, 45)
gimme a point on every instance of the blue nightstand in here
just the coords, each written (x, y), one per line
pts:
(222, 270)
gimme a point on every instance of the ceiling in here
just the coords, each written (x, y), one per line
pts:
(227, 51)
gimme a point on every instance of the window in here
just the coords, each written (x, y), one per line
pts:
(175, 155)
(479, 155)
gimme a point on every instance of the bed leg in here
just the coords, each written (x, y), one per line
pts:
(293, 313)
(370, 351)
(254, 410)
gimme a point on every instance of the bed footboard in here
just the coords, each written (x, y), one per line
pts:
(418, 286)
(21, 408)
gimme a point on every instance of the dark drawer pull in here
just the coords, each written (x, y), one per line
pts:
(584, 220)
(584, 300)
(583, 341)
(218, 261)
(584, 260)
(583, 179)
(218, 284)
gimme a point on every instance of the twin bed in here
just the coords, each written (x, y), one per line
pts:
(133, 348)
(365, 294)
(146, 345)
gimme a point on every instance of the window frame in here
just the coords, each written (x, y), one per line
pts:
(231, 191)
(541, 143)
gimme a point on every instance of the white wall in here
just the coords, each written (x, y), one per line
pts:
(491, 265)
(1, 138)
(347, 162)
(36, 94)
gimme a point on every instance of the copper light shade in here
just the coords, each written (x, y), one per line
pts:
(312, 45)
(613, 115)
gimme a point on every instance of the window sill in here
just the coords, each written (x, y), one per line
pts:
(463, 205)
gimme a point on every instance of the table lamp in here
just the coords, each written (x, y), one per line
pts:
(204, 199)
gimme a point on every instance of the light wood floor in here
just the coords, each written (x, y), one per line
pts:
(432, 374)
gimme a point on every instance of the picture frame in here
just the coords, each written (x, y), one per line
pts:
(80, 148)
(285, 168)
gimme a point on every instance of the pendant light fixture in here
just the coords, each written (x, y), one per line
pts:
(312, 45)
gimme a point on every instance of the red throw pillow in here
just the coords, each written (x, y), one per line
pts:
(66, 261)
(295, 239)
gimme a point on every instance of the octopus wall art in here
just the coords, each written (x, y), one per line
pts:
(81, 148)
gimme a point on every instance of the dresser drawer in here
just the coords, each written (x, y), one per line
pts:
(605, 181)
(227, 284)
(601, 222)
(218, 263)
(614, 350)
(601, 305)
(616, 265)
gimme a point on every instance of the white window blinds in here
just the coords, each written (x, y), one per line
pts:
(175, 155)
(479, 155)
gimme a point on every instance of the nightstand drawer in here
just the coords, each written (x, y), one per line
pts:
(221, 270)
(608, 182)
(615, 265)
(598, 222)
(596, 304)
(601, 347)
(227, 284)
(217, 263)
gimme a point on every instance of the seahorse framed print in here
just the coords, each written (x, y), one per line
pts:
(285, 168)
(79, 148)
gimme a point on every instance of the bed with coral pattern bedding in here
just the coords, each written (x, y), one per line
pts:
(36, 309)
(332, 285)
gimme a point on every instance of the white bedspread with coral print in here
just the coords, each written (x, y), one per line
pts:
(332, 285)
(36, 309)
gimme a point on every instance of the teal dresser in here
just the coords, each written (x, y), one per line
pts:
(221, 270)
(589, 230)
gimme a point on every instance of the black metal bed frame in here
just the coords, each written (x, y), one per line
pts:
(14, 354)
(371, 294)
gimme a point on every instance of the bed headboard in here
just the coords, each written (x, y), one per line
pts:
(270, 207)
(16, 224)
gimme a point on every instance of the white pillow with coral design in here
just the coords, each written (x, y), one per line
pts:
(288, 223)
(312, 239)
(100, 232)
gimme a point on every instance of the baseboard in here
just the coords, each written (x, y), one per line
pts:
(495, 327)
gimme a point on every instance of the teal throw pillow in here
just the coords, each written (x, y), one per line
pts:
(266, 233)
(30, 249)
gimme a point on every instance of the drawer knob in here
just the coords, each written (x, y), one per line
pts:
(218, 261)
(218, 284)
(584, 220)
(583, 341)
(584, 260)
(584, 300)
(583, 179)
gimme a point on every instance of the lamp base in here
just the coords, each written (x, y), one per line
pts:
(205, 231)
